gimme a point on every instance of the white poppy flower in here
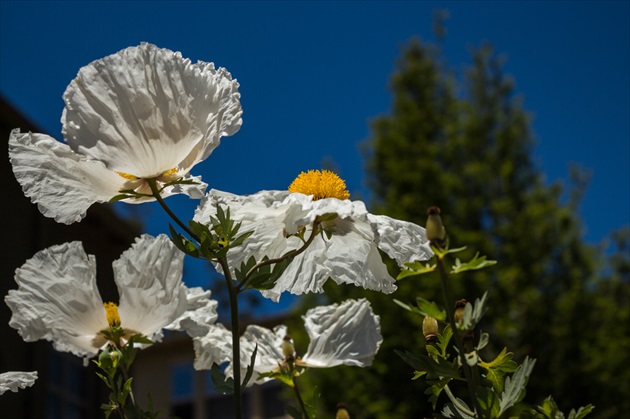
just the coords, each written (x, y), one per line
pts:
(14, 380)
(58, 300)
(348, 333)
(142, 113)
(351, 254)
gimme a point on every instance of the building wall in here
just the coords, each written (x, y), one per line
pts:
(64, 388)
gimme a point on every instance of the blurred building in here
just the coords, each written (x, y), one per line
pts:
(65, 388)
(165, 371)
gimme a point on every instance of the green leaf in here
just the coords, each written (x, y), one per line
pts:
(182, 243)
(474, 264)
(514, 389)
(119, 198)
(250, 367)
(488, 402)
(498, 368)
(435, 390)
(222, 384)
(241, 239)
(581, 412)
(443, 340)
(415, 268)
(484, 339)
(140, 338)
(431, 309)
(435, 369)
(473, 314)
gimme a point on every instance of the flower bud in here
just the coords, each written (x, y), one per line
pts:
(430, 328)
(436, 233)
(104, 359)
(288, 349)
(342, 412)
(460, 305)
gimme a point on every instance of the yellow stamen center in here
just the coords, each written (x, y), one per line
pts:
(320, 184)
(173, 171)
(168, 173)
(111, 311)
(127, 176)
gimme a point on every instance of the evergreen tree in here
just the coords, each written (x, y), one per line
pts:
(470, 154)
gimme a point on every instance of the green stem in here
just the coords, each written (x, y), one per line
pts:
(299, 398)
(236, 343)
(449, 302)
(156, 194)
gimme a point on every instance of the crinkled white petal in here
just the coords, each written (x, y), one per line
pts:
(350, 256)
(215, 347)
(401, 240)
(263, 212)
(57, 299)
(145, 110)
(268, 354)
(149, 280)
(348, 333)
(14, 380)
(63, 183)
(200, 314)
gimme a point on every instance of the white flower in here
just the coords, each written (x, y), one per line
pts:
(351, 255)
(58, 300)
(14, 380)
(348, 333)
(142, 113)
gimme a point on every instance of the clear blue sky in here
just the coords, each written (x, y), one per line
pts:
(313, 74)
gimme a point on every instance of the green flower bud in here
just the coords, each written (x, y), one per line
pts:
(342, 412)
(288, 349)
(430, 328)
(104, 359)
(460, 305)
(115, 356)
(436, 233)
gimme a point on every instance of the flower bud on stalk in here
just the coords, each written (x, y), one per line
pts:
(288, 349)
(468, 336)
(430, 328)
(342, 412)
(460, 305)
(436, 233)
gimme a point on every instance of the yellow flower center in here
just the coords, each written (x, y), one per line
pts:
(166, 174)
(127, 176)
(320, 184)
(170, 172)
(111, 312)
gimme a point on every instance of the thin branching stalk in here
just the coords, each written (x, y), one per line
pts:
(298, 396)
(236, 343)
(156, 194)
(449, 302)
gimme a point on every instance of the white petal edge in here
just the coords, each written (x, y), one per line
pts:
(62, 183)
(213, 348)
(268, 354)
(57, 299)
(348, 333)
(401, 240)
(149, 280)
(14, 380)
(145, 110)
